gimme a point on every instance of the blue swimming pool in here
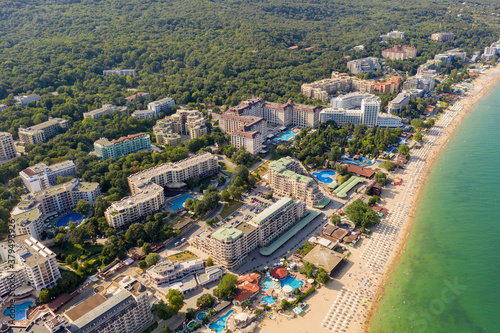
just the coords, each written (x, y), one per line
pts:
(268, 283)
(18, 312)
(176, 204)
(269, 300)
(66, 219)
(200, 315)
(292, 282)
(287, 136)
(325, 176)
(359, 162)
(220, 323)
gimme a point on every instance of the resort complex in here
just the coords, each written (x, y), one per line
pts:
(105, 109)
(40, 177)
(42, 132)
(338, 82)
(183, 122)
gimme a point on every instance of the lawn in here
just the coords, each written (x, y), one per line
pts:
(230, 208)
(183, 256)
(76, 250)
(261, 170)
(226, 167)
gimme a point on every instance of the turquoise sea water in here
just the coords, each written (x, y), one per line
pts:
(448, 278)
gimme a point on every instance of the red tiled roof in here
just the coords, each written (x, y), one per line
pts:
(364, 172)
(279, 272)
(123, 138)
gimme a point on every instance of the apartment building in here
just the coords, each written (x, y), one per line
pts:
(105, 109)
(338, 82)
(123, 146)
(183, 122)
(147, 200)
(399, 103)
(175, 174)
(26, 99)
(42, 132)
(442, 37)
(363, 65)
(491, 51)
(430, 67)
(229, 245)
(40, 177)
(119, 72)
(420, 81)
(400, 52)
(168, 272)
(161, 105)
(35, 265)
(357, 108)
(393, 34)
(166, 138)
(285, 178)
(7, 148)
(123, 308)
(277, 114)
(246, 131)
(143, 114)
(389, 86)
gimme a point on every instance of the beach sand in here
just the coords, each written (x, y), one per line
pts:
(356, 290)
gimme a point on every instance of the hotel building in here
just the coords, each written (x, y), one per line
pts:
(26, 99)
(161, 105)
(40, 177)
(105, 109)
(127, 309)
(7, 148)
(338, 82)
(246, 131)
(148, 200)
(363, 65)
(442, 37)
(168, 272)
(105, 149)
(183, 122)
(400, 52)
(420, 81)
(358, 108)
(229, 245)
(285, 179)
(35, 265)
(119, 72)
(175, 174)
(393, 34)
(42, 132)
(276, 114)
(34, 208)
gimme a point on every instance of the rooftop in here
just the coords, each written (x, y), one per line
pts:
(323, 257)
(245, 228)
(87, 305)
(269, 211)
(227, 234)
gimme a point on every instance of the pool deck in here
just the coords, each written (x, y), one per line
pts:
(8, 320)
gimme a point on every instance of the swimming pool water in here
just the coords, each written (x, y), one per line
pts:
(269, 300)
(292, 282)
(20, 310)
(66, 219)
(200, 316)
(360, 162)
(268, 283)
(220, 323)
(176, 204)
(324, 176)
(287, 136)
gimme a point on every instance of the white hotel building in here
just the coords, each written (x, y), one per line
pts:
(358, 108)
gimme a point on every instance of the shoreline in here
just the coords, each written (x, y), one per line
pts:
(441, 143)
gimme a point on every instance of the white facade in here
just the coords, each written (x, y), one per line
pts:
(26, 99)
(144, 114)
(252, 141)
(36, 264)
(105, 109)
(357, 108)
(149, 200)
(119, 72)
(363, 65)
(40, 176)
(161, 105)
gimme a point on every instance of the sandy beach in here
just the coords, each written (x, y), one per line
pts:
(348, 302)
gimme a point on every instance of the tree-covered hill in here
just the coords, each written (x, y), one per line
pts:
(217, 51)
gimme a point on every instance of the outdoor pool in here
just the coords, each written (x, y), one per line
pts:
(268, 283)
(176, 204)
(292, 282)
(200, 316)
(66, 219)
(287, 136)
(269, 300)
(359, 162)
(20, 310)
(325, 176)
(220, 324)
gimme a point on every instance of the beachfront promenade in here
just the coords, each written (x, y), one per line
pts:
(346, 303)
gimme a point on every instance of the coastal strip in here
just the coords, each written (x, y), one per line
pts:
(482, 86)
